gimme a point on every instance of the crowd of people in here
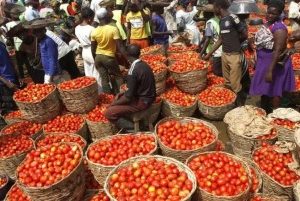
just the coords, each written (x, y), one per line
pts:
(45, 36)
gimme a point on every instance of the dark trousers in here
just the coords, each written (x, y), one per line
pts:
(68, 64)
(7, 103)
(217, 66)
(22, 60)
(113, 113)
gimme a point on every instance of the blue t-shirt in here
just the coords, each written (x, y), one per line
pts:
(160, 26)
(6, 69)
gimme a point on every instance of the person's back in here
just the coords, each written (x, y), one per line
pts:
(106, 37)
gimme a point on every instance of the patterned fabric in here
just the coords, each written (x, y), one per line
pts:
(264, 38)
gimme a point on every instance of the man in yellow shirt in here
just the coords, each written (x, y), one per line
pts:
(136, 25)
(105, 41)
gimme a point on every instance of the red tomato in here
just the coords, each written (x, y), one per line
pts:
(16, 194)
(77, 83)
(13, 145)
(24, 128)
(33, 93)
(216, 96)
(68, 123)
(175, 96)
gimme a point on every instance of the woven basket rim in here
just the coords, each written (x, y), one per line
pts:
(18, 133)
(181, 166)
(149, 52)
(186, 72)
(236, 158)
(233, 101)
(23, 152)
(74, 90)
(51, 186)
(180, 119)
(165, 70)
(254, 139)
(7, 194)
(119, 135)
(82, 125)
(42, 137)
(180, 51)
(50, 93)
(7, 180)
(176, 105)
(265, 174)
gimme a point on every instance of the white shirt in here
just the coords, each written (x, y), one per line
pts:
(45, 11)
(17, 41)
(95, 6)
(31, 14)
(83, 33)
(63, 48)
(64, 7)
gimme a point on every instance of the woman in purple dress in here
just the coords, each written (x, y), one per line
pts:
(274, 75)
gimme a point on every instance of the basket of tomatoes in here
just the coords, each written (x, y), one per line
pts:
(79, 95)
(220, 176)
(30, 129)
(153, 49)
(106, 153)
(99, 126)
(296, 63)
(275, 166)
(173, 49)
(99, 195)
(67, 123)
(190, 75)
(182, 56)
(179, 183)
(16, 194)
(5, 185)
(181, 137)
(177, 103)
(160, 75)
(286, 129)
(13, 117)
(60, 180)
(215, 102)
(295, 95)
(13, 149)
(38, 102)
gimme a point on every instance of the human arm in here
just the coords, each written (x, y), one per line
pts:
(214, 48)
(50, 58)
(205, 45)
(280, 37)
(93, 44)
(154, 32)
(145, 15)
(172, 5)
(8, 84)
(128, 29)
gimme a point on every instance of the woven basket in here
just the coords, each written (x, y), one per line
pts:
(161, 76)
(34, 136)
(159, 50)
(244, 146)
(285, 134)
(273, 188)
(175, 52)
(89, 194)
(191, 82)
(9, 121)
(7, 194)
(72, 187)
(173, 110)
(83, 131)
(99, 130)
(5, 187)
(42, 111)
(273, 198)
(203, 195)
(100, 171)
(182, 155)
(215, 112)
(160, 82)
(9, 165)
(181, 167)
(41, 137)
(296, 192)
(80, 100)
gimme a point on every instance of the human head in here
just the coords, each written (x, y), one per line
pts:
(34, 3)
(103, 15)
(39, 33)
(159, 10)
(275, 8)
(133, 52)
(220, 5)
(243, 16)
(134, 8)
(87, 15)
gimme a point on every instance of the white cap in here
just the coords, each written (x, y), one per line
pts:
(101, 13)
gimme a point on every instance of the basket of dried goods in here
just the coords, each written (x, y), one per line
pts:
(181, 49)
(44, 180)
(100, 195)
(38, 102)
(180, 182)
(13, 149)
(190, 75)
(48, 139)
(106, 153)
(294, 96)
(5, 185)
(221, 176)
(153, 49)
(213, 80)
(182, 56)
(68, 123)
(286, 121)
(99, 126)
(181, 137)
(177, 103)
(79, 95)
(27, 128)
(13, 117)
(16, 194)
(260, 197)
(278, 168)
(248, 129)
(215, 102)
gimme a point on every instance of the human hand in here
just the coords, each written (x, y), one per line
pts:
(206, 57)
